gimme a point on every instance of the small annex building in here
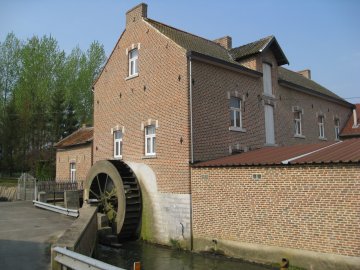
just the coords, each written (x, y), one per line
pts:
(74, 155)
(285, 199)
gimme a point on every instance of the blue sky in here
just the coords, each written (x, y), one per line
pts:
(322, 35)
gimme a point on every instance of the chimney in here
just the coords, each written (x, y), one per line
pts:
(355, 119)
(306, 73)
(225, 42)
(136, 13)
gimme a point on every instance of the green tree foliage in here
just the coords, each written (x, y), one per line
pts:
(45, 95)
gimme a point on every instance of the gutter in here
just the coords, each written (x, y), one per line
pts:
(191, 152)
(191, 113)
(222, 63)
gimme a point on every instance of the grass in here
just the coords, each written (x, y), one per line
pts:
(8, 182)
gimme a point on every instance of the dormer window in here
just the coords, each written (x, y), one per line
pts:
(267, 82)
(133, 62)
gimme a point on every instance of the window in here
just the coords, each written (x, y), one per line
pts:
(297, 123)
(72, 171)
(133, 62)
(235, 112)
(267, 79)
(269, 125)
(150, 141)
(337, 128)
(118, 143)
(321, 121)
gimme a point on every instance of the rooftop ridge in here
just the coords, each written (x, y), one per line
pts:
(247, 44)
(177, 29)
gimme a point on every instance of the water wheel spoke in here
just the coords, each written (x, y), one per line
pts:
(105, 186)
(111, 193)
(96, 195)
(97, 179)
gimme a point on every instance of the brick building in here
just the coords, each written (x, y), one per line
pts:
(74, 155)
(300, 201)
(167, 99)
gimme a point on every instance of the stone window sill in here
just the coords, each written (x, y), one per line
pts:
(323, 138)
(149, 157)
(238, 129)
(299, 136)
(132, 77)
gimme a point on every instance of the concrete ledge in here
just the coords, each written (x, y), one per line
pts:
(271, 254)
(81, 237)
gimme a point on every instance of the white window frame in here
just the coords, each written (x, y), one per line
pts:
(133, 63)
(72, 172)
(152, 139)
(337, 128)
(118, 144)
(297, 123)
(321, 124)
(267, 79)
(236, 113)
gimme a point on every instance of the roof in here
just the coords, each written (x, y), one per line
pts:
(349, 129)
(259, 46)
(192, 42)
(295, 79)
(81, 136)
(205, 47)
(326, 152)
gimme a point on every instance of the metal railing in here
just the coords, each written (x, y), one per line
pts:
(74, 260)
(51, 186)
(57, 209)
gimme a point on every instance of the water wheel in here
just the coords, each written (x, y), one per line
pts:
(113, 187)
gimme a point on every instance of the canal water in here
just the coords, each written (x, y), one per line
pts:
(154, 257)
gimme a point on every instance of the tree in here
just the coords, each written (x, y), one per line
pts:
(84, 70)
(10, 136)
(9, 74)
(71, 123)
(44, 96)
(9, 67)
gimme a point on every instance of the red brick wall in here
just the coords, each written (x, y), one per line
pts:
(313, 208)
(79, 155)
(212, 84)
(159, 93)
(211, 116)
(287, 98)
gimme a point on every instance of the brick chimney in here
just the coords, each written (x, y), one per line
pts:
(136, 13)
(225, 42)
(306, 73)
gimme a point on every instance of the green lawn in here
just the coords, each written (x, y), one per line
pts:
(8, 182)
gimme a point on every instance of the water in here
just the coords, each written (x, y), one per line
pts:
(154, 257)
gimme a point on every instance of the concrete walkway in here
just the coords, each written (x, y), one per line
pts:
(26, 234)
